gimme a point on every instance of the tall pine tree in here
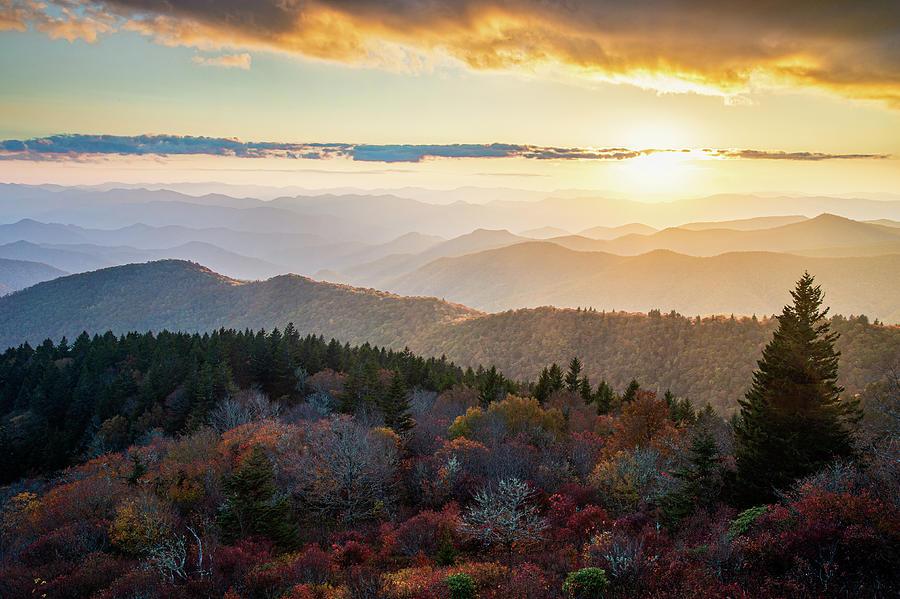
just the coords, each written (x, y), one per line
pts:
(573, 374)
(792, 421)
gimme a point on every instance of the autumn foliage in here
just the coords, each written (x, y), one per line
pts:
(513, 499)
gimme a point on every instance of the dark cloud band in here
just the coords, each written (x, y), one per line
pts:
(82, 147)
(848, 47)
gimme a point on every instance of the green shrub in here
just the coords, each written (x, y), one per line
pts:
(587, 583)
(740, 525)
(446, 553)
(461, 586)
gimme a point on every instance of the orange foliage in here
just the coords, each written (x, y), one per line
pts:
(643, 422)
(277, 438)
(427, 581)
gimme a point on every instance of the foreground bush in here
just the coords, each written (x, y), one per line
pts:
(587, 583)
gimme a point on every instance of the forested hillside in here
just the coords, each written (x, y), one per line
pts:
(708, 361)
(275, 466)
(182, 296)
(62, 401)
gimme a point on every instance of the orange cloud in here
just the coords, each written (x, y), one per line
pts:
(847, 47)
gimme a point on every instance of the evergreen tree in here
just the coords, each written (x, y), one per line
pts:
(572, 375)
(542, 389)
(253, 507)
(556, 377)
(604, 397)
(585, 390)
(700, 480)
(792, 421)
(680, 409)
(395, 405)
(362, 389)
(491, 386)
(630, 391)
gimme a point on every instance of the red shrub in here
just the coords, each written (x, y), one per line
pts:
(94, 572)
(586, 522)
(562, 507)
(232, 562)
(529, 582)
(425, 531)
(351, 553)
(134, 583)
(823, 541)
(268, 580)
(301, 591)
(582, 494)
(70, 543)
(313, 565)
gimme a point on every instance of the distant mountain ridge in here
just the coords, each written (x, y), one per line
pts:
(82, 257)
(19, 274)
(544, 273)
(825, 230)
(377, 217)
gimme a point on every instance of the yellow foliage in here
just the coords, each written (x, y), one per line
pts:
(20, 512)
(385, 436)
(520, 415)
(617, 485)
(140, 524)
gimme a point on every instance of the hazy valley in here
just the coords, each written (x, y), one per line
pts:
(471, 253)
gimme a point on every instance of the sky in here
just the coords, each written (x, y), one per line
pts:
(650, 98)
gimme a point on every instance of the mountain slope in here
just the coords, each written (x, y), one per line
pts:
(376, 217)
(710, 361)
(31, 230)
(544, 232)
(602, 232)
(379, 273)
(67, 258)
(745, 224)
(185, 296)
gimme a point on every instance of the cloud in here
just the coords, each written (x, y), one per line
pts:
(804, 156)
(58, 19)
(228, 61)
(848, 47)
(85, 147)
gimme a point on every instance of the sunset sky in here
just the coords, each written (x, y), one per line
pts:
(647, 98)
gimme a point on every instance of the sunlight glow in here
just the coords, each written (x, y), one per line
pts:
(659, 172)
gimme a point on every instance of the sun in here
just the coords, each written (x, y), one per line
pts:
(658, 172)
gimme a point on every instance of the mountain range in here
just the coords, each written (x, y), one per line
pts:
(378, 217)
(410, 246)
(545, 274)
